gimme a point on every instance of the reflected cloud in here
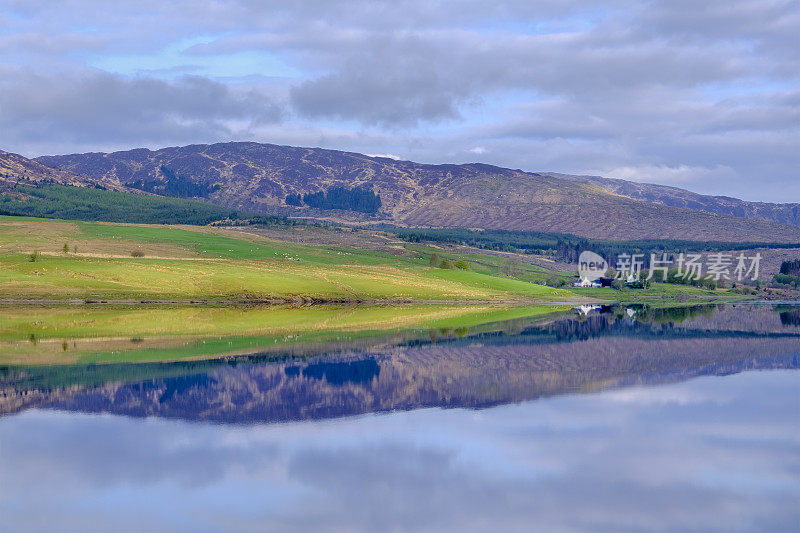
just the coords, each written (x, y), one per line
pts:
(572, 463)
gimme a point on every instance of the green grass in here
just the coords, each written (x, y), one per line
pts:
(494, 283)
(184, 263)
(176, 279)
(70, 322)
(65, 335)
(205, 244)
(204, 263)
(494, 264)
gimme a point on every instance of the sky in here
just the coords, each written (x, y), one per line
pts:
(718, 453)
(699, 95)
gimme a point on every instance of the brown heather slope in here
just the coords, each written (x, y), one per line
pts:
(675, 197)
(16, 169)
(258, 177)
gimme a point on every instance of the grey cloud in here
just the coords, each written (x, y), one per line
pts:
(388, 90)
(764, 21)
(430, 76)
(37, 42)
(95, 107)
(453, 62)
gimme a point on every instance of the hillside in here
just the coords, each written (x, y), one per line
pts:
(676, 197)
(30, 188)
(259, 177)
(18, 170)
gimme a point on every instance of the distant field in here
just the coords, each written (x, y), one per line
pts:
(186, 262)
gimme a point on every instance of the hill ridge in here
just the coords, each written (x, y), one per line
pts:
(258, 177)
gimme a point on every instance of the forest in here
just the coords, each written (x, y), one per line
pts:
(174, 185)
(360, 199)
(83, 203)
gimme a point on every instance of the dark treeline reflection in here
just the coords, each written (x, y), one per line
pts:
(591, 348)
(790, 316)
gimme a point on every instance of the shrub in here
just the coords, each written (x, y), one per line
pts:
(434, 260)
(790, 267)
(137, 253)
(445, 263)
(33, 256)
(510, 268)
(787, 279)
(461, 265)
(294, 199)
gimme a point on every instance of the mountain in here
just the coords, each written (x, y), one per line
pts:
(18, 170)
(260, 177)
(675, 197)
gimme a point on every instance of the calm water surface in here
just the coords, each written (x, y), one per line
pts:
(625, 419)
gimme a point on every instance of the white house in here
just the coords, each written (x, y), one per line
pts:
(584, 309)
(586, 283)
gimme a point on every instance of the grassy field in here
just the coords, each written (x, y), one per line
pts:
(100, 261)
(80, 334)
(489, 263)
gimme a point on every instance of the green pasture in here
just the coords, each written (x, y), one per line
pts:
(92, 260)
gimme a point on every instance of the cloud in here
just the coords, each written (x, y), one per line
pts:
(677, 176)
(582, 85)
(37, 42)
(709, 454)
(387, 156)
(94, 107)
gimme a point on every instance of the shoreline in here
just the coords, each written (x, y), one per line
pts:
(304, 301)
(315, 301)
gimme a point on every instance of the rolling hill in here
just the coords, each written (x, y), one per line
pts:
(259, 177)
(18, 170)
(676, 197)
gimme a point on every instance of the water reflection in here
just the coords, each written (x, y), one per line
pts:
(708, 454)
(512, 361)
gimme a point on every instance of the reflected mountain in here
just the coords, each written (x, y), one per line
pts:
(501, 363)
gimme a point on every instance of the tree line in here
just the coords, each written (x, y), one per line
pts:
(789, 274)
(83, 203)
(360, 199)
(174, 185)
(565, 247)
